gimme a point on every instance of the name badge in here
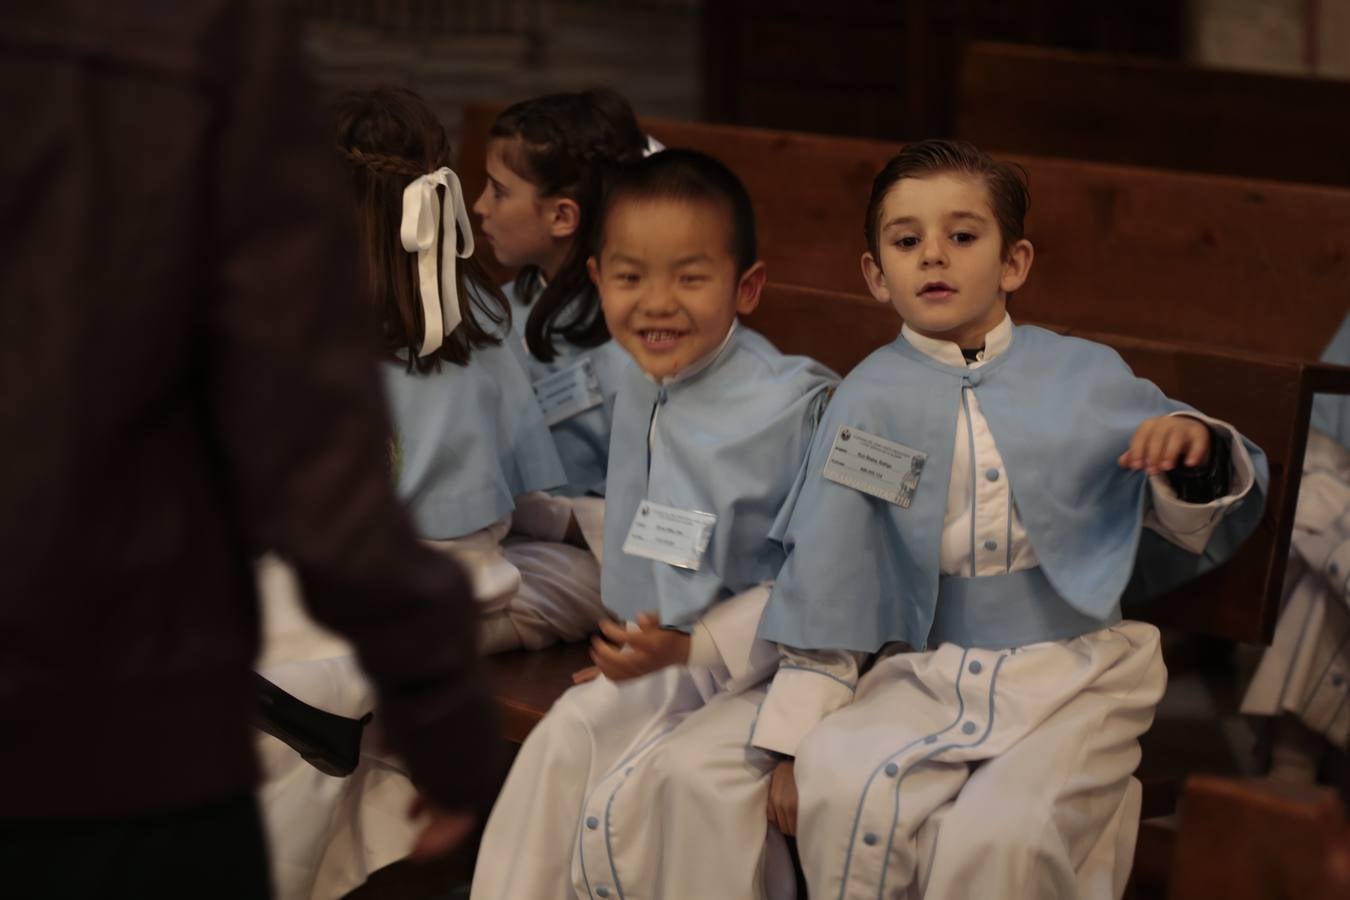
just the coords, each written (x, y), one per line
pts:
(564, 394)
(669, 535)
(875, 466)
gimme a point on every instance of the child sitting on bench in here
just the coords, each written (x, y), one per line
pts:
(979, 498)
(710, 430)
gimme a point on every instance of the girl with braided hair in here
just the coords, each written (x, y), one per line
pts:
(468, 435)
(548, 162)
(468, 438)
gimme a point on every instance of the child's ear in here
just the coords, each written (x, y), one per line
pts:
(566, 218)
(875, 278)
(750, 288)
(593, 269)
(1016, 266)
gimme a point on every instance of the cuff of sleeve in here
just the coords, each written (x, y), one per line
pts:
(731, 627)
(1241, 473)
(797, 701)
(590, 515)
(542, 516)
(702, 648)
(1191, 524)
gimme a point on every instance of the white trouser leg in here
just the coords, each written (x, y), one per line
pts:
(531, 836)
(1056, 814)
(1050, 733)
(558, 598)
(690, 820)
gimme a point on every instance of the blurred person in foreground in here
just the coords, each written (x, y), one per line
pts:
(188, 378)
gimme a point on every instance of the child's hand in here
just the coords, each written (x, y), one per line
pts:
(783, 798)
(630, 654)
(443, 831)
(581, 676)
(1159, 443)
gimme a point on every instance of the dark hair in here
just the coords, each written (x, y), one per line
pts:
(1007, 183)
(567, 145)
(390, 136)
(693, 177)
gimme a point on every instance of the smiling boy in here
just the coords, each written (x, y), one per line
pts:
(710, 430)
(1026, 479)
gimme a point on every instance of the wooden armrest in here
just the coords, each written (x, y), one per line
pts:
(1254, 839)
(528, 682)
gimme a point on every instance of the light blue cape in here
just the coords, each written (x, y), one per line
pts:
(862, 572)
(468, 440)
(729, 440)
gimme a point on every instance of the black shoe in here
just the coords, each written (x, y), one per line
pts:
(327, 741)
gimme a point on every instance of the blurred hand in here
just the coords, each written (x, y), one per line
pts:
(626, 653)
(1160, 443)
(581, 676)
(783, 798)
(443, 832)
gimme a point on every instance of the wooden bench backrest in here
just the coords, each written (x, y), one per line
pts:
(1254, 265)
(1050, 102)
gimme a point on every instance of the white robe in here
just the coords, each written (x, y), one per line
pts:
(580, 806)
(1306, 670)
(979, 773)
(327, 835)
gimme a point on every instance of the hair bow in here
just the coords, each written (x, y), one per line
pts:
(422, 217)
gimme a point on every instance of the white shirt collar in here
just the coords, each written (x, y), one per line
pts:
(697, 365)
(948, 352)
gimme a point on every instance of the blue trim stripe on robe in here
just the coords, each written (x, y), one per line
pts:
(862, 572)
(583, 439)
(730, 440)
(469, 439)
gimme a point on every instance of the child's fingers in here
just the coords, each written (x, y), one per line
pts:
(648, 621)
(1133, 458)
(1154, 448)
(616, 633)
(1173, 444)
(589, 673)
(608, 659)
(1197, 451)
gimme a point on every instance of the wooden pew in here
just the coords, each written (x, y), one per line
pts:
(1255, 265)
(1049, 102)
(1256, 840)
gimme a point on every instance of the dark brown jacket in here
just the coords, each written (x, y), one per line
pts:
(186, 377)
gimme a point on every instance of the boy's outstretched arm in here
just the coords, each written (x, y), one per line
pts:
(1199, 469)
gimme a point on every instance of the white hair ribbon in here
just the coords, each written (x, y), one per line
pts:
(653, 146)
(422, 217)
